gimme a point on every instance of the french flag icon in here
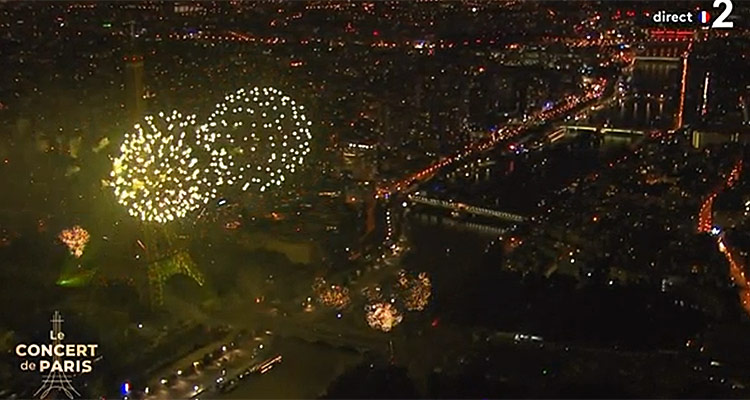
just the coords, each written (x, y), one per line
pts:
(704, 17)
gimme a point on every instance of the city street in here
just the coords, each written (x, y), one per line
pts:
(190, 380)
(305, 372)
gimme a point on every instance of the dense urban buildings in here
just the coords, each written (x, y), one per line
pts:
(374, 199)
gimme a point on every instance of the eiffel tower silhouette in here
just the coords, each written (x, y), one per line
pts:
(56, 380)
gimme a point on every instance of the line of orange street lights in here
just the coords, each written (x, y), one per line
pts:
(569, 102)
(705, 225)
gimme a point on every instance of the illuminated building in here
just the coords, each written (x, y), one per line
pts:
(360, 160)
(703, 138)
(134, 85)
(135, 103)
(188, 8)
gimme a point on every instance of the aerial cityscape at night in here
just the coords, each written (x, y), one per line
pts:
(283, 199)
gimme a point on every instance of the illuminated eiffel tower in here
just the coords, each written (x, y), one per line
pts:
(56, 380)
(166, 258)
(166, 255)
(161, 270)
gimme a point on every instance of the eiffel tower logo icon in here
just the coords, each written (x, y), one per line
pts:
(56, 380)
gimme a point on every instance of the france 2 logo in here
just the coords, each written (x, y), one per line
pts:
(704, 17)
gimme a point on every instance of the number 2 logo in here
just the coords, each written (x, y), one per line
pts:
(720, 20)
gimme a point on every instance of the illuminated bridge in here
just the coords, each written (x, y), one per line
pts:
(430, 218)
(468, 209)
(665, 45)
(604, 130)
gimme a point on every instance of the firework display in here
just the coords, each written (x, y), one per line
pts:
(170, 166)
(156, 176)
(416, 290)
(255, 139)
(333, 296)
(75, 239)
(383, 316)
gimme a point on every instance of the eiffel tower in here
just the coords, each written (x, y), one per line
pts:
(56, 380)
(165, 258)
(159, 271)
